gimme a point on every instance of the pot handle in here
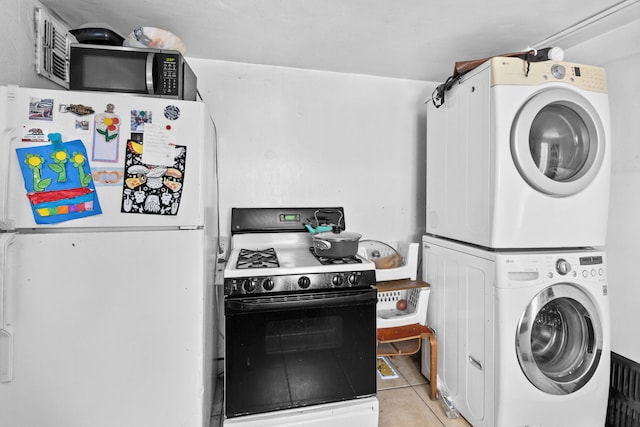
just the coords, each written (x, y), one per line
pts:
(318, 229)
(321, 244)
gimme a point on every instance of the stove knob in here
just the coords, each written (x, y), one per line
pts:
(354, 278)
(249, 285)
(563, 267)
(304, 282)
(336, 280)
(267, 284)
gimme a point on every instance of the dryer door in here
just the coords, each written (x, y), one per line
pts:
(559, 339)
(557, 142)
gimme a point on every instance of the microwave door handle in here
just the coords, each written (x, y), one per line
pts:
(149, 74)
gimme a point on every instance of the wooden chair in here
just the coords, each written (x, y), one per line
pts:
(405, 340)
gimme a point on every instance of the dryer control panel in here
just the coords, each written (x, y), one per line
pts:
(513, 71)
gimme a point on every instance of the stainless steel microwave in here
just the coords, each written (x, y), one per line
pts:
(144, 71)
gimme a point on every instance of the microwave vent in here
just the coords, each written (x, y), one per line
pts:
(53, 42)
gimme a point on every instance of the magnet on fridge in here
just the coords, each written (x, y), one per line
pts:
(107, 176)
(58, 181)
(41, 109)
(106, 136)
(139, 118)
(77, 109)
(82, 126)
(172, 112)
(34, 135)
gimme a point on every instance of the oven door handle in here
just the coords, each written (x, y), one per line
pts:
(296, 301)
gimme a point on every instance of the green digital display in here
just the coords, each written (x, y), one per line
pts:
(290, 217)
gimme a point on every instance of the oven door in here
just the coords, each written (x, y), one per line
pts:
(299, 349)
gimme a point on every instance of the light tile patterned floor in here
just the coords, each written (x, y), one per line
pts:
(404, 401)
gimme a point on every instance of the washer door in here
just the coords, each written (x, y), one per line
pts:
(559, 339)
(557, 142)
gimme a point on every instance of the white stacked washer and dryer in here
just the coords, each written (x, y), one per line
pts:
(518, 171)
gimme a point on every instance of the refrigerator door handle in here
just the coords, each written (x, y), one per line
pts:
(7, 135)
(6, 338)
(5, 221)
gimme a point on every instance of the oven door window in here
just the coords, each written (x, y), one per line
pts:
(299, 350)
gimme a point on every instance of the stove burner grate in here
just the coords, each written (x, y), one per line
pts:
(335, 261)
(257, 258)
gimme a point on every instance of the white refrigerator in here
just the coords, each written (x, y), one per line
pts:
(108, 211)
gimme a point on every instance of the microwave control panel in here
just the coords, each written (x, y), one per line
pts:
(169, 74)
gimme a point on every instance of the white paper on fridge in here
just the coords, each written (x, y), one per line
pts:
(159, 146)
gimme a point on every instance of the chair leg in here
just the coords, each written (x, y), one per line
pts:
(433, 365)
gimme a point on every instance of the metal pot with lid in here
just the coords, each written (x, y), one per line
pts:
(336, 243)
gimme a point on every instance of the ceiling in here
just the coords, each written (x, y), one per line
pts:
(409, 39)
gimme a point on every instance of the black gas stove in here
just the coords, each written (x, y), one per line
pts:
(299, 330)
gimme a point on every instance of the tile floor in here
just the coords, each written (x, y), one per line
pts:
(404, 401)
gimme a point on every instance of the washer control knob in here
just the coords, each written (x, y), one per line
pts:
(337, 280)
(558, 71)
(563, 267)
(304, 282)
(249, 285)
(267, 284)
(353, 279)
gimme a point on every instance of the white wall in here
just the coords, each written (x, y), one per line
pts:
(290, 137)
(619, 52)
(17, 45)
